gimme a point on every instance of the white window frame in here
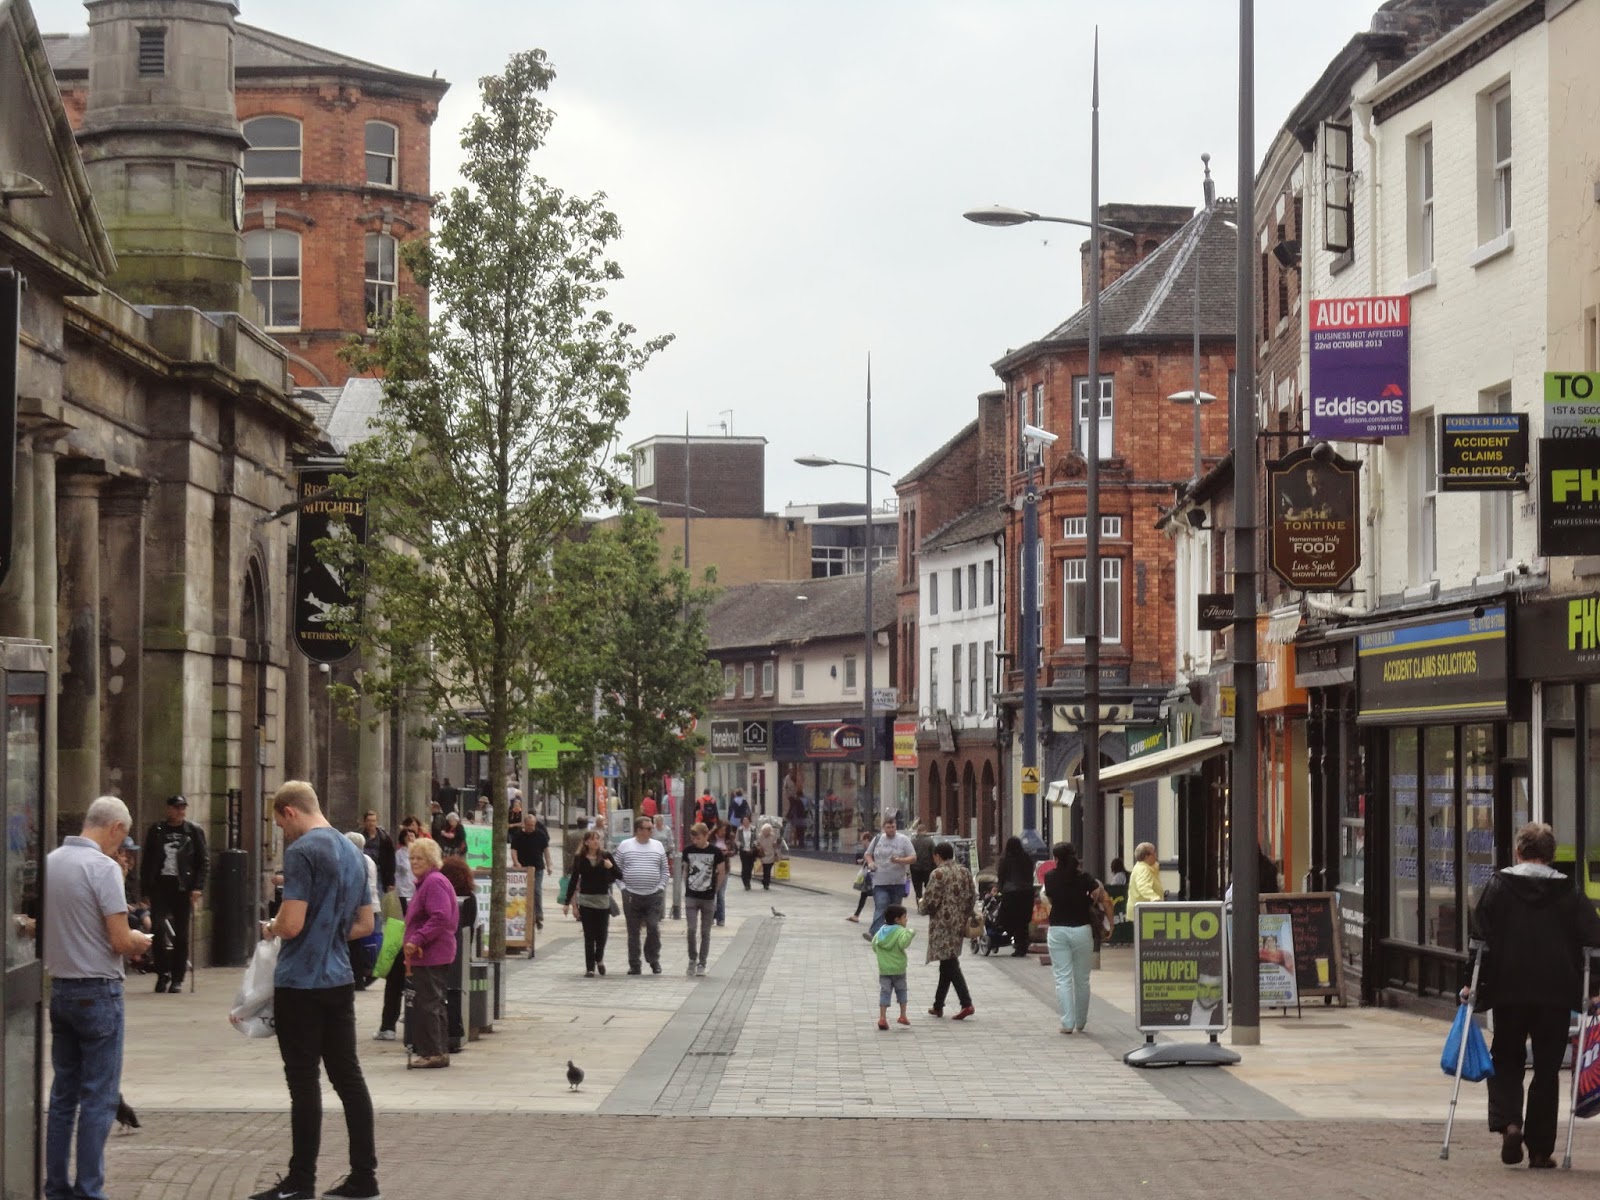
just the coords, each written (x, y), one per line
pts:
(933, 593)
(644, 467)
(1108, 412)
(955, 677)
(988, 676)
(797, 677)
(933, 678)
(1424, 497)
(274, 279)
(1074, 574)
(1111, 527)
(298, 148)
(769, 677)
(988, 583)
(850, 683)
(1499, 507)
(972, 677)
(749, 680)
(380, 292)
(1420, 193)
(955, 589)
(972, 585)
(730, 682)
(1075, 529)
(1500, 157)
(390, 159)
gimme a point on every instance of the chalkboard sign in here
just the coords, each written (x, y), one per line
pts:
(1318, 963)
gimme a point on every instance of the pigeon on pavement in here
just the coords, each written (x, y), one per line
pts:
(126, 1117)
(574, 1076)
(776, 913)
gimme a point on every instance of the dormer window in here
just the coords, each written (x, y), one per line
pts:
(152, 53)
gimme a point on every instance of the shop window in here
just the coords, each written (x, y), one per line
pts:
(1478, 759)
(1404, 885)
(1444, 920)
(383, 154)
(274, 149)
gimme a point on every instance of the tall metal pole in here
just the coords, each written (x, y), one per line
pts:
(1243, 820)
(1093, 847)
(688, 777)
(868, 765)
(1028, 647)
(1194, 394)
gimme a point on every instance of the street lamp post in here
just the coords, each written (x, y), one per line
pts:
(1194, 397)
(869, 771)
(999, 216)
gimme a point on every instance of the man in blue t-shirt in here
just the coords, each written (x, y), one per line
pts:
(326, 904)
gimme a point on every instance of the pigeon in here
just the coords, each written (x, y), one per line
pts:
(574, 1076)
(126, 1117)
(776, 913)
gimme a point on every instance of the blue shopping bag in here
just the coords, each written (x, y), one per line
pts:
(1476, 1066)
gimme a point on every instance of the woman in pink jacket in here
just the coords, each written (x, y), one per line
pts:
(430, 949)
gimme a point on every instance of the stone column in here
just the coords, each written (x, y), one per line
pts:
(78, 647)
(370, 761)
(122, 575)
(45, 551)
(17, 593)
(297, 737)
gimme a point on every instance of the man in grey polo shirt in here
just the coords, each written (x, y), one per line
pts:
(645, 869)
(86, 938)
(888, 861)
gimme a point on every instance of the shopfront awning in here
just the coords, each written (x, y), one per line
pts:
(1172, 761)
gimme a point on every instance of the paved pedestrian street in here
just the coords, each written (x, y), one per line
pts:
(740, 1079)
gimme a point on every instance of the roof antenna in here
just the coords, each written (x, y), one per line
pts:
(1210, 184)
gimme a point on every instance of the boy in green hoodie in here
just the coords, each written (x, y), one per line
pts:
(889, 944)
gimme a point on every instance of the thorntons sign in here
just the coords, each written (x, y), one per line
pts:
(1360, 368)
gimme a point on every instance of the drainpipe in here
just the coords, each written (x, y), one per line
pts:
(1373, 454)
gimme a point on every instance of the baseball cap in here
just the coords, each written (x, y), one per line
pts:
(129, 844)
(177, 802)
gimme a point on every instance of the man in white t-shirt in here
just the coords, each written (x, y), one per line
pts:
(645, 869)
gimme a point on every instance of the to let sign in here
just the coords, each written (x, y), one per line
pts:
(1483, 452)
(1572, 404)
(1361, 368)
(1315, 541)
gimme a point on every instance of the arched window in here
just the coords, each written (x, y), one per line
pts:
(383, 154)
(273, 256)
(381, 253)
(274, 151)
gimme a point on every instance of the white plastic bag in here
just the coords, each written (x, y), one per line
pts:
(251, 1013)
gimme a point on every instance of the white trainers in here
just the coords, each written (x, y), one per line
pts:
(699, 968)
(383, 1035)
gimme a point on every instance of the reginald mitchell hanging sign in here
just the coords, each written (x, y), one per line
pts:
(319, 587)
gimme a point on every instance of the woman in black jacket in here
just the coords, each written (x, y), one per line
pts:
(1014, 874)
(589, 898)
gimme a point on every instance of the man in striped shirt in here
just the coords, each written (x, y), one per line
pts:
(645, 870)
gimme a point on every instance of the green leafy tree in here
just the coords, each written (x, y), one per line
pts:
(636, 678)
(492, 441)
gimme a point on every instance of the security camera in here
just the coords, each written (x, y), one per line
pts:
(1032, 433)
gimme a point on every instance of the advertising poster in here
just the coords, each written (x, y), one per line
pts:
(1314, 929)
(1569, 496)
(905, 744)
(1314, 542)
(1572, 404)
(480, 846)
(1276, 962)
(1483, 452)
(516, 904)
(1360, 368)
(1180, 966)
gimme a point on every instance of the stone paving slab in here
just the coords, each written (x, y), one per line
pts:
(436, 1155)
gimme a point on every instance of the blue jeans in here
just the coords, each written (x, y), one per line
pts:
(883, 896)
(1071, 955)
(538, 894)
(722, 899)
(892, 985)
(86, 1052)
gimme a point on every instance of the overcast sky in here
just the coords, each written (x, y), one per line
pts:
(790, 176)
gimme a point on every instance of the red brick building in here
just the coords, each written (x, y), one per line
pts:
(336, 177)
(1147, 322)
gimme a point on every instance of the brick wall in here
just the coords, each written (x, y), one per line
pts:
(1150, 225)
(727, 478)
(992, 445)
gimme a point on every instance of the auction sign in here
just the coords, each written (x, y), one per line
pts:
(1569, 496)
(1315, 537)
(1572, 404)
(1361, 368)
(1181, 966)
(321, 592)
(1483, 452)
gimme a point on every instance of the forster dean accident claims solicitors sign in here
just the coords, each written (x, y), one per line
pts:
(1360, 368)
(1452, 667)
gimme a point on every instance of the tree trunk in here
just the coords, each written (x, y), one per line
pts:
(498, 737)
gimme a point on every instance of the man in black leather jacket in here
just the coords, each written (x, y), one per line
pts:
(172, 876)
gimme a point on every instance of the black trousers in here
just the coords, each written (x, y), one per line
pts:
(1016, 915)
(170, 907)
(596, 924)
(747, 867)
(766, 875)
(429, 1017)
(1514, 1025)
(862, 901)
(950, 973)
(919, 880)
(317, 1028)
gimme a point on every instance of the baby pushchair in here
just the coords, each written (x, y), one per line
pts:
(994, 934)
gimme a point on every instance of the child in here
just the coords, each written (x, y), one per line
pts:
(890, 947)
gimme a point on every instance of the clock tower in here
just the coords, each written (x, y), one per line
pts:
(163, 151)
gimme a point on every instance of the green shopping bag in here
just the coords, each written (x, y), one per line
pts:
(562, 889)
(394, 935)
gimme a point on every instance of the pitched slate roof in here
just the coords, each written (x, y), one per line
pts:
(344, 415)
(1156, 298)
(789, 611)
(983, 521)
(257, 52)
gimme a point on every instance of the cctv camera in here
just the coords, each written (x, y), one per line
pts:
(1032, 433)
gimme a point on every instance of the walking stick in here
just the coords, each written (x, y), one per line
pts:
(1577, 1060)
(1477, 949)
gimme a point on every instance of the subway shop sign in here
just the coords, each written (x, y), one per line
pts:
(1569, 496)
(1180, 967)
(1451, 667)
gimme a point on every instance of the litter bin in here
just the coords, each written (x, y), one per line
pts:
(233, 917)
(478, 1020)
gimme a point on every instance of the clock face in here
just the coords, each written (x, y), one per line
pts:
(238, 199)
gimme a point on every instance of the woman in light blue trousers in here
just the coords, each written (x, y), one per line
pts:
(1071, 937)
